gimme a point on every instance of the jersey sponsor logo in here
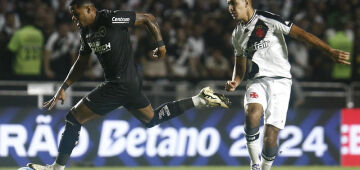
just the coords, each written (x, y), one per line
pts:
(98, 48)
(120, 20)
(260, 45)
(254, 95)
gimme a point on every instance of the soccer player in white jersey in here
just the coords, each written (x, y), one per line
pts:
(262, 59)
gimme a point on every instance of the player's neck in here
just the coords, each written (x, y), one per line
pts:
(249, 14)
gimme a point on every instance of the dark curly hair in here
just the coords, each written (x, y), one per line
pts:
(80, 3)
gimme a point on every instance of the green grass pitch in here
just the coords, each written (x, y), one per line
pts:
(206, 168)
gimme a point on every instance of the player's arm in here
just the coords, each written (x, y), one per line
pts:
(338, 56)
(238, 74)
(240, 69)
(77, 70)
(149, 21)
(75, 73)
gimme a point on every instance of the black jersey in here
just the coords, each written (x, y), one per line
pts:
(109, 38)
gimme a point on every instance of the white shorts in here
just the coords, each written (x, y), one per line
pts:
(273, 94)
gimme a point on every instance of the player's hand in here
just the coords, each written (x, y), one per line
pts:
(231, 85)
(340, 56)
(60, 95)
(159, 52)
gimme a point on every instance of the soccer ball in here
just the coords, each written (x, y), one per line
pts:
(25, 168)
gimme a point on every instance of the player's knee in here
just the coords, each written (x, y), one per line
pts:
(72, 125)
(149, 123)
(271, 134)
(71, 118)
(270, 141)
(253, 112)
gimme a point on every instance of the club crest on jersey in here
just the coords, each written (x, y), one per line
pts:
(254, 95)
(101, 32)
(259, 31)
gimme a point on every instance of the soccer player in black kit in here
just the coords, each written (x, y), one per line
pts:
(106, 33)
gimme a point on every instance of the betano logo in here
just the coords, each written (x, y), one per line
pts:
(116, 138)
(120, 20)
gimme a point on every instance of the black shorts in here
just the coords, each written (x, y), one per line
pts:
(111, 95)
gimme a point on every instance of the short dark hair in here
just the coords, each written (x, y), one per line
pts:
(80, 3)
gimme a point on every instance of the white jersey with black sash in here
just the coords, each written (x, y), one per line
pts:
(262, 42)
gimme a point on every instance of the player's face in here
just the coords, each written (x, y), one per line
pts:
(81, 16)
(237, 9)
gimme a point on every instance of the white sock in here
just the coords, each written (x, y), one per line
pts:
(253, 149)
(198, 101)
(58, 167)
(266, 165)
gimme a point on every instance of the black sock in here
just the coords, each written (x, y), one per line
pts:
(269, 154)
(69, 139)
(251, 134)
(170, 110)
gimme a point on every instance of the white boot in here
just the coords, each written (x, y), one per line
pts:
(207, 97)
(54, 166)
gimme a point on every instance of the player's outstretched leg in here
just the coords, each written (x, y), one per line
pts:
(206, 98)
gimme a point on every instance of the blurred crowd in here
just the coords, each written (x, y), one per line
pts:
(39, 42)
